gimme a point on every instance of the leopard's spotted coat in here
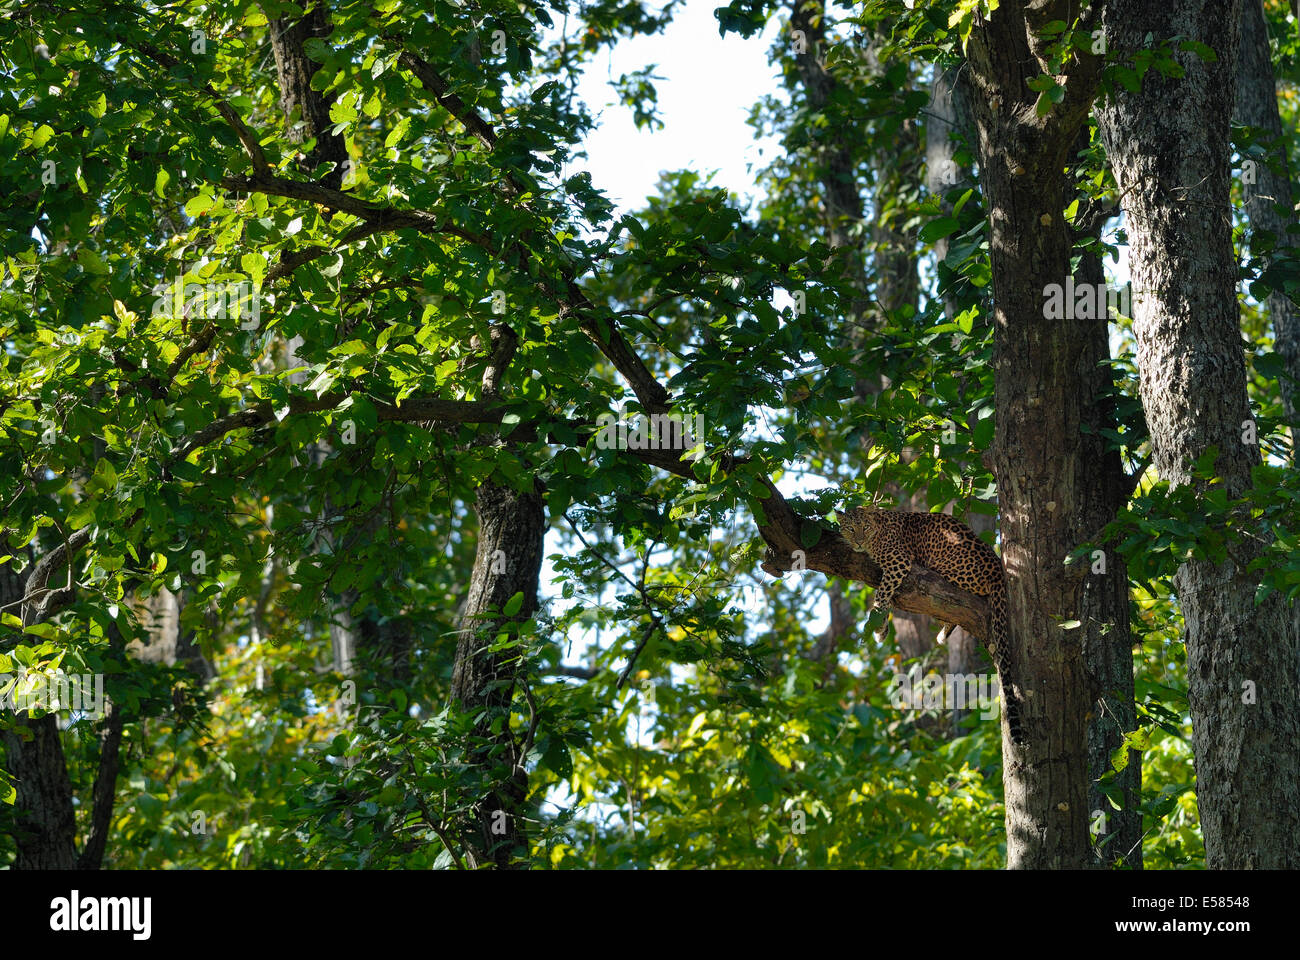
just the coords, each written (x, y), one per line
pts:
(897, 539)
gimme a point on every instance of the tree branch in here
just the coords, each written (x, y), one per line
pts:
(228, 113)
(38, 595)
(289, 262)
(581, 673)
(198, 343)
(436, 85)
(413, 409)
(104, 790)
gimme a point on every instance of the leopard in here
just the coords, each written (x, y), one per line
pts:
(895, 539)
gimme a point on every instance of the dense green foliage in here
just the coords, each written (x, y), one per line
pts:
(731, 745)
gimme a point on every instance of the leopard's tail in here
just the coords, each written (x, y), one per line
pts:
(1000, 650)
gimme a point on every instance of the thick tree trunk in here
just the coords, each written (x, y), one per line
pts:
(507, 561)
(1269, 206)
(162, 640)
(1170, 152)
(307, 111)
(1104, 605)
(45, 829)
(1039, 366)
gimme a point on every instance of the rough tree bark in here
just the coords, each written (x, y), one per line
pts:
(1170, 150)
(1104, 609)
(162, 640)
(307, 111)
(1269, 206)
(45, 829)
(507, 561)
(1037, 451)
(104, 792)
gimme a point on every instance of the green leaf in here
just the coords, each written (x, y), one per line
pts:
(1203, 51)
(321, 383)
(40, 137)
(938, 229)
(105, 476)
(398, 132)
(91, 262)
(83, 514)
(343, 111)
(196, 206)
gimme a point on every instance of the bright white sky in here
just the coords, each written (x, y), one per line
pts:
(709, 86)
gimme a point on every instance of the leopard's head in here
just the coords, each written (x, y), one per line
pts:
(856, 525)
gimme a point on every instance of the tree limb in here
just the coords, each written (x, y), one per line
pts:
(228, 113)
(92, 854)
